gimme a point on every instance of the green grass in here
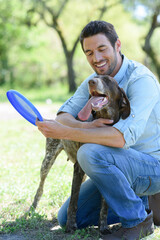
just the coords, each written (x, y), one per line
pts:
(21, 153)
(57, 93)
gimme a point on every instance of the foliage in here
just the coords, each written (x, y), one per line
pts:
(31, 51)
(50, 13)
(8, 34)
(150, 40)
(18, 47)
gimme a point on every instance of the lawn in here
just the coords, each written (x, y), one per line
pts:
(21, 154)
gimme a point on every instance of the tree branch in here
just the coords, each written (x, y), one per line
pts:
(52, 13)
(147, 45)
(61, 8)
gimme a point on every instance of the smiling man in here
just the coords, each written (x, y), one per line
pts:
(103, 58)
(122, 161)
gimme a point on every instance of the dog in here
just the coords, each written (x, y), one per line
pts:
(107, 100)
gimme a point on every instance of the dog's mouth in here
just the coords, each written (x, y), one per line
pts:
(98, 100)
(97, 94)
(96, 103)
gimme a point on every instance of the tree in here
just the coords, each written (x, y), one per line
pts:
(51, 13)
(150, 50)
(13, 40)
(8, 34)
(151, 16)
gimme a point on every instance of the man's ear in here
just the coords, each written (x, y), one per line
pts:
(118, 45)
(124, 105)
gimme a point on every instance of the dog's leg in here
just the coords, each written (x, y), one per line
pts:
(103, 226)
(78, 176)
(53, 148)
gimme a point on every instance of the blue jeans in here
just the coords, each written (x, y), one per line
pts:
(123, 177)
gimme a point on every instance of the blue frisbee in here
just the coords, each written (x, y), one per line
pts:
(24, 106)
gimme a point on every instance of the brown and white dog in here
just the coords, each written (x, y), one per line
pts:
(107, 100)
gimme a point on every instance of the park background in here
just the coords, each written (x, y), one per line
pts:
(41, 57)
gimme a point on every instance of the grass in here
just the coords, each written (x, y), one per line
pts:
(22, 151)
(21, 154)
(57, 93)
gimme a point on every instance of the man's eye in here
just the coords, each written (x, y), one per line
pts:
(88, 54)
(102, 49)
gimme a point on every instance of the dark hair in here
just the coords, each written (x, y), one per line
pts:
(95, 27)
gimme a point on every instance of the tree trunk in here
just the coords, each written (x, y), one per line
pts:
(71, 74)
(147, 48)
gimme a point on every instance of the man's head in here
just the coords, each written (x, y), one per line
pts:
(102, 47)
(96, 27)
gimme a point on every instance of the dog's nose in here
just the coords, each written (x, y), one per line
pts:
(92, 82)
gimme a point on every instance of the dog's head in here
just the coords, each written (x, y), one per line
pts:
(107, 100)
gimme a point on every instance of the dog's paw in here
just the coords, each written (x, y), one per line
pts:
(104, 229)
(71, 227)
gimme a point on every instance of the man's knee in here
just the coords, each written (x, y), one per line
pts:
(85, 155)
(90, 156)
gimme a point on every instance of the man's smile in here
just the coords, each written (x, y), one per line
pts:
(99, 65)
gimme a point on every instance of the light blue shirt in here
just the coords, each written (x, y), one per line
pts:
(141, 129)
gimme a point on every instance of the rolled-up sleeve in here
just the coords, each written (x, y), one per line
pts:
(74, 104)
(143, 94)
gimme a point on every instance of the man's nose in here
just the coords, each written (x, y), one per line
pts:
(97, 57)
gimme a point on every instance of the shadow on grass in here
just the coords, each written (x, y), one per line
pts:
(38, 227)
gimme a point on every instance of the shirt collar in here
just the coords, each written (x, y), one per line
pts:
(120, 74)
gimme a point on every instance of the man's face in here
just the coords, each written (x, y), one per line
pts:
(102, 57)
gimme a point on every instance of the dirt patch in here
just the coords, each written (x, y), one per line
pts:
(48, 230)
(55, 234)
(12, 237)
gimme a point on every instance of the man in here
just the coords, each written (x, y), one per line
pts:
(123, 160)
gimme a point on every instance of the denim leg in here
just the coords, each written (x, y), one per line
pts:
(121, 175)
(89, 205)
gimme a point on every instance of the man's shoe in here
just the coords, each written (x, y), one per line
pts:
(154, 205)
(140, 231)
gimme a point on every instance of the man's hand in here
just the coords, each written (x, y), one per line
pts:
(51, 129)
(101, 122)
(104, 134)
(56, 130)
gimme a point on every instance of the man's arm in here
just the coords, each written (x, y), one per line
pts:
(107, 135)
(68, 120)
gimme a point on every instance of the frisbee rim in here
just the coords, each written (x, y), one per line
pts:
(11, 95)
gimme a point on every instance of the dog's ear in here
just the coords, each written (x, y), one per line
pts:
(124, 105)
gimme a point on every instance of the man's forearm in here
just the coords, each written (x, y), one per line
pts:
(68, 120)
(108, 136)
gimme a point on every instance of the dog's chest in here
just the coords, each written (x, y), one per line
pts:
(71, 149)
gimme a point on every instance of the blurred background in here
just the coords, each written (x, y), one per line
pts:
(39, 45)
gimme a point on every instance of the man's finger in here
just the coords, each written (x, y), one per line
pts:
(106, 121)
(39, 123)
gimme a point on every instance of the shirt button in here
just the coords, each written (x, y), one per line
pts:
(133, 115)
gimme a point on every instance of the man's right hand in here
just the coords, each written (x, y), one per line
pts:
(101, 122)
